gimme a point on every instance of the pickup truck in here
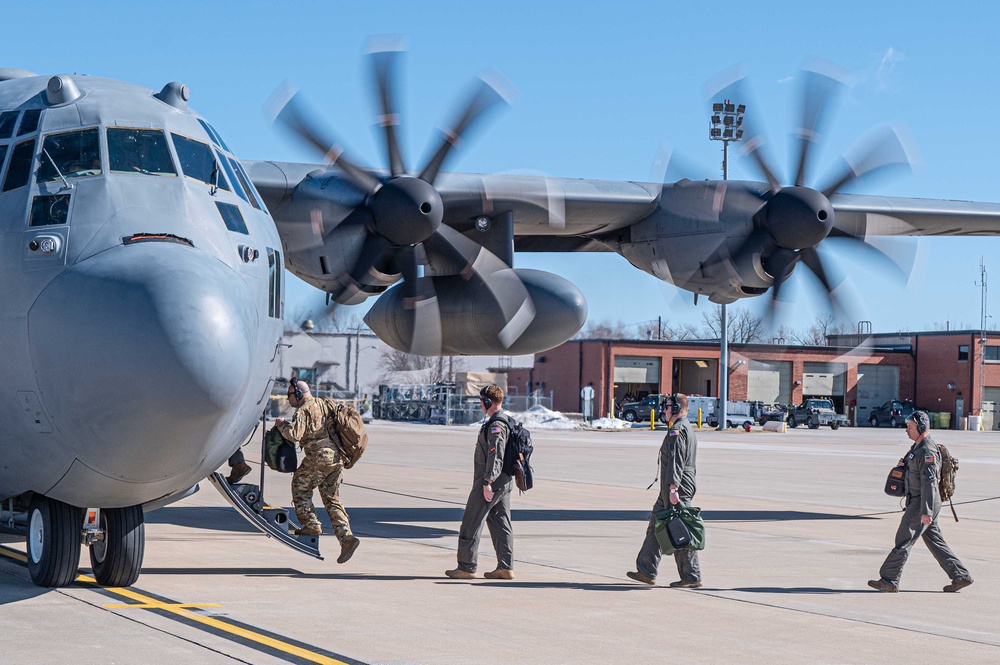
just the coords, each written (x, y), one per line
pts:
(815, 412)
(639, 411)
(893, 413)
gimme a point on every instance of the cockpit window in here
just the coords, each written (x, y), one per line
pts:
(232, 217)
(246, 183)
(29, 122)
(232, 177)
(198, 162)
(216, 138)
(139, 151)
(70, 155)
(19, 171)
(3, 154)
(7, 121)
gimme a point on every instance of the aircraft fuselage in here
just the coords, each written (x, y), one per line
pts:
(140, 297)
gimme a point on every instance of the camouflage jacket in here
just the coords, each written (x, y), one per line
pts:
(308, 427)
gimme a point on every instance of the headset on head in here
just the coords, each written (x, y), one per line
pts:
(675, 406)
(487, 402)
(295, 388)
(918, 421)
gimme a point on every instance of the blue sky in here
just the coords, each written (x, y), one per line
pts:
(601, 86)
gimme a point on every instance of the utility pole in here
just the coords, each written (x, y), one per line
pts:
(982, 333)
(725, 126)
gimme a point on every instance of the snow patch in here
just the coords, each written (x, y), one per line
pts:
(611, 423)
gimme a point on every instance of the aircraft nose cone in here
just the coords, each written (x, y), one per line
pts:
(140, 352)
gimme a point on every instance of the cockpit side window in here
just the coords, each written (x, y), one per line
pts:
(216, 138)
(7, 121)
(19, 171)
(232, 177)
(139, 151)
(198, 162)
(3, 155)
(70, 155)
(29, 122)
(241, 174)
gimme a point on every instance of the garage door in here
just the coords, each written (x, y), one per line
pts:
(824, 379)
(770, 381)
(877, 384)
(636, 377)
(991, 398)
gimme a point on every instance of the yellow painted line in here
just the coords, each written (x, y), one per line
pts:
(14, 555)
(180, 610)
(212, 622)
(156, 606)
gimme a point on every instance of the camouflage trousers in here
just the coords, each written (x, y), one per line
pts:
(322, 470)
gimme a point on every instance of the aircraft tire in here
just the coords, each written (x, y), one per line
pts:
(117, 560)
(53, 545)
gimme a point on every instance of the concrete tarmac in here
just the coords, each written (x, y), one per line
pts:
(796, 525)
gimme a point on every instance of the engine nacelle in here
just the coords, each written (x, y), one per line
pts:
(473, 321)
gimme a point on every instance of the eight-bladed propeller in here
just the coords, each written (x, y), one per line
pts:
(402, 214)
(796, 219)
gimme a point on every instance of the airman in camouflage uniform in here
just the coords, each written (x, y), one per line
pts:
(321, 468)
(923, 503)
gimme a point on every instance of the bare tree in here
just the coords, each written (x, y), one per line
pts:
(332, 319)
(421, 369)
(744, 326)
(603, 330)
(822, 326)
(682, 331)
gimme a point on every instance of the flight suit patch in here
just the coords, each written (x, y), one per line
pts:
(495, 429)
(929, 458)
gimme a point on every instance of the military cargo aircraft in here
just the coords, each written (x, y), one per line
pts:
(142, 291)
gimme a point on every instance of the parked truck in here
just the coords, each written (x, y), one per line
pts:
(814, 412)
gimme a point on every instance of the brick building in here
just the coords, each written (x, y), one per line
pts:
(956, 372)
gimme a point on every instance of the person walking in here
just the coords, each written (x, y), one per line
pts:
(923, 503)
(321, 467)
(677, 486)
(489, 499)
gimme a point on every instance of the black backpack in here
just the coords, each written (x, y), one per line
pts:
(517, 455)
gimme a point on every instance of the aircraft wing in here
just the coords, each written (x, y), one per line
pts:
(550, 214)
(890, 216)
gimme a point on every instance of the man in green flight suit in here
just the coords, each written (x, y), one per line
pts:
(489, 499)
(923, 502)
(677, 485)
(321, 468)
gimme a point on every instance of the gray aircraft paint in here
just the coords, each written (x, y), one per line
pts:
(131, 370)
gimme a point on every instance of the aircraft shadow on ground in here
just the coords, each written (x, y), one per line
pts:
(413, 523)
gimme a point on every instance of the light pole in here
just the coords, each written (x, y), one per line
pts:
(726, 126)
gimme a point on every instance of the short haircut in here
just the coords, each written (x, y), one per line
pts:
(495, 393)
(682, 401)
